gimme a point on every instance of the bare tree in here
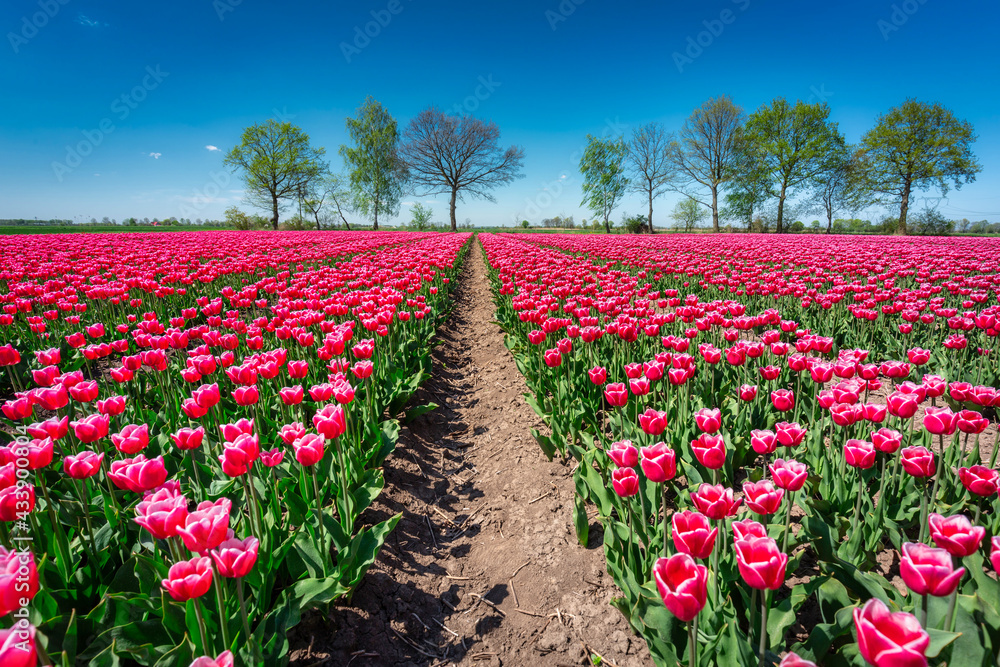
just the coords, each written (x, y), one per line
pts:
(651, 169)
(457, 155)
(705, 150)
(329, 190)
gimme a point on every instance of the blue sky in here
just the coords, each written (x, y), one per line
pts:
(144, 88)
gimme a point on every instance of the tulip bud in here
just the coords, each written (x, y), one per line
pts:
(683, 585)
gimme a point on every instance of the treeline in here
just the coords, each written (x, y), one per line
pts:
(436, 153)
(766, 169)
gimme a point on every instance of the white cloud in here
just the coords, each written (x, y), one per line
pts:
(212, 148)
(155, 156)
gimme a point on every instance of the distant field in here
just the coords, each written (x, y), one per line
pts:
(96, 229)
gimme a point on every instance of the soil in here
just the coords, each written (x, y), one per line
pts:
(484, 567)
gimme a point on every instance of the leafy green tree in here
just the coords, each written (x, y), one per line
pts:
(604, 179)
(705, 152)
(420, 217)
(458, 155)
(377, 175)
(276, 161)
(748, 186)
(634, 224)
(794, 144)
(917, 146)
(688, 214)
(649, 165)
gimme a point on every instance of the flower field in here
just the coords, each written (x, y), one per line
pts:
(789, 442)
(194, 424)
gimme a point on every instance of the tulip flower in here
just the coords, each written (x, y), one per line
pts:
(82, 465)
(625, 482)
(623, 453)
(940, 421)
(18, 581)
(188, 438)
(18, 409)
(748, 392)
(50, 428)
(793, 660)
(132, 439)
(902, 405)
(189, 579)
(308, 449)
(230, 432)
(239, 455)
(291, 395)
(139, 474)
(112, 406)
(710, 450)
(224, 659)
(245, 396)
(272, 458)
(888, 639)
(783, 400)
(748, 528)
(91, 428)
(956, 534)
(162, 513)
(762, 497)
(235, 558)
(979, 480)
(789, 475)
(16, 502)
(995, 553)
(683, 585)
(887, 440)
(928, 571)
(639, 386)
(658, 462)
(760, 563)
(330, 422)
(598, 375)
(653, 422)
(917, 461)
(206, 527)
(970, 421)
(859, 453)
(692, 533)
(708, 420)
(17, 646)
(715, 502)
(789, 434)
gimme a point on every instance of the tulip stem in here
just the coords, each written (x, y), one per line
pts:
(923, 512)
(223, 616)
(857, 505)
(923, 611)
(937, 473)
(762, 647)
(788, 521)
(881, 490)
(693, 643)
(246, 623)
(201, 626)
(663, 511)
(319, 516)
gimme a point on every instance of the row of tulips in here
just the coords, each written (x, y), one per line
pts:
(702, 426)
(182, 493)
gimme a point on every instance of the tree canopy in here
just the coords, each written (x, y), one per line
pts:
(377, 175)
(917, 145)
(458, 156)
(604, 179)
(275, 161)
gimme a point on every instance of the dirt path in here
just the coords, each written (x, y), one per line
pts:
(484, 567)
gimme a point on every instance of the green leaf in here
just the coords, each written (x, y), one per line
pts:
(580, 520)
(939, 640)
(419, 410)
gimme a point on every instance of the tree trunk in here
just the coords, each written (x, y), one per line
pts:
(781, 210)
(650, 219)
(607, 227)
(454, 196)
(715, 209)
(375, 226)
(904, 206)
(317, 222)
(829, 222)
(274, 212)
